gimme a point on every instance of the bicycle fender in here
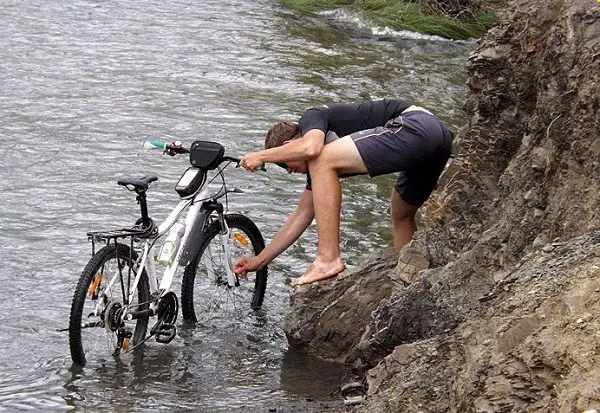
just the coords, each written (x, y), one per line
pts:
(192, 244)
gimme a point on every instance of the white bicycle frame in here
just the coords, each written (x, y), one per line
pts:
(146, 261)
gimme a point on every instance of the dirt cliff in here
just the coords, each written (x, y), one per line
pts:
(495, 305)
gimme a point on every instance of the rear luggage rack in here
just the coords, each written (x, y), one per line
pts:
(134, 233)
(117, 233)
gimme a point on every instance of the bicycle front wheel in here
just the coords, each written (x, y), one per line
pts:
(205, 293)
(96, 325)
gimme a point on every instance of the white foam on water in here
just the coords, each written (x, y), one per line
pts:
(352, 18)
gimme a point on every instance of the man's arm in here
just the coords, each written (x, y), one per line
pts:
(309, 146)
(290, 231)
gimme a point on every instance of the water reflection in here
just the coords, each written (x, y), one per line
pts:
(207, 367)
(339, 67)
(306, 376)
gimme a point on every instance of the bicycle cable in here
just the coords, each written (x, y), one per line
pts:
(225, 185)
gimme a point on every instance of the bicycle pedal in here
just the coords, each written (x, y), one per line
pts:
(164, 333)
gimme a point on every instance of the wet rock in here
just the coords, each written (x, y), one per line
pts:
(329, 318)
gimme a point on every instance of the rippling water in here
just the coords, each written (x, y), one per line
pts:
(83, 83)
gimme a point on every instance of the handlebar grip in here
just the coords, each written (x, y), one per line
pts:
(155, 145)
(238, 160)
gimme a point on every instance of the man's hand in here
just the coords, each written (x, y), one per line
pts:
(251, 161)
(245, 265)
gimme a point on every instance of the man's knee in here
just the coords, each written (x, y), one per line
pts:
(315, 165)
(329, 158)
(341, 156)
(401, 210)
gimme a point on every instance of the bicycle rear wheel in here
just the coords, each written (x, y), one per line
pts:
(95, 326)
(205, 294)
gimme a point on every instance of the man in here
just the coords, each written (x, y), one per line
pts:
(373, 137)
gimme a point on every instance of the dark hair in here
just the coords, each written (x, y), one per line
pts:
(281, 132)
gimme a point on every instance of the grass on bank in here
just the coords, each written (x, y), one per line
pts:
(404, 15)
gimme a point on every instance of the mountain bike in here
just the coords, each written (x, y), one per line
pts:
(119, 291)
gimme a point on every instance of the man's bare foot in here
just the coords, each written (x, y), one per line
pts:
(318, 271)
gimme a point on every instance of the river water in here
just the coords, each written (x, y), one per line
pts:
(83, 83)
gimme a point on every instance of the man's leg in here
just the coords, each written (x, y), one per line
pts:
(403, 220)
(339, 157)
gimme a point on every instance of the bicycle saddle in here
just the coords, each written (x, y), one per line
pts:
(138, 184)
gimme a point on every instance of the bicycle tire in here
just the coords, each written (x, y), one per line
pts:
(97, 336)
(204, 293)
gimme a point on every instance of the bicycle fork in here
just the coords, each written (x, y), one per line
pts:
(232, 280)
(225, 249)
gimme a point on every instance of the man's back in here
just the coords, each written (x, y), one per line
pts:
(347, 118)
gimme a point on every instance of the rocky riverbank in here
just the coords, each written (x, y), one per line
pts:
(494, 305)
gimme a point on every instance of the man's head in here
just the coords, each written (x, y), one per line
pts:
(279, 134)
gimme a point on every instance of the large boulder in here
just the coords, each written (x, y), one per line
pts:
(327, 318)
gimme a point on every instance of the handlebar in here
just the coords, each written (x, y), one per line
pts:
(177, 147)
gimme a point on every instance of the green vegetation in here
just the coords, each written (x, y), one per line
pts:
(310, 6)
(404, 15)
